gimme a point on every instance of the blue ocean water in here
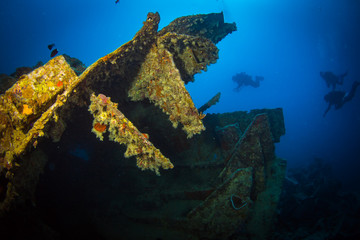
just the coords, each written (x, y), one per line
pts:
(287, 42)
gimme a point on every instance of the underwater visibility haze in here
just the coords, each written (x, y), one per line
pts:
(275, 155)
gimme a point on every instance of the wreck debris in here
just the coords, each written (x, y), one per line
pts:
(27, 102)
(239, 157)
(215, 99)
(191, 54)
(43, 94)
(121, 130)
(255, 149)
(208, 206)
(210, 26)
(160, 82)
(220, 214)
(228, 136)
(254, 176)
(24, 108)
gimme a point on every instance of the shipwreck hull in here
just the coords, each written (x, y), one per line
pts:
(211, 193)
(220, 177)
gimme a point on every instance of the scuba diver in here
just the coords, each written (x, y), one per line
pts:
(339, 98)
(243, 79)
(331, 79)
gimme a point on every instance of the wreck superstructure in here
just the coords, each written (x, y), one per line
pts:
(145, 79)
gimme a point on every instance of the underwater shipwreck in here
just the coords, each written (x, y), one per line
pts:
(119, 150)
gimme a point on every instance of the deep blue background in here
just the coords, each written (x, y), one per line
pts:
(287, 42)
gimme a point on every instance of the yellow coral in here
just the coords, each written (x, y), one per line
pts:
(121, 130)
(159, 80)
(31, 102)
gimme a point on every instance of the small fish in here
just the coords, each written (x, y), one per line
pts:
(50, 46)
(117, 1)
(54, 52)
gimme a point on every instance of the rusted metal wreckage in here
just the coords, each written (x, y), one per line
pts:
(145, 79)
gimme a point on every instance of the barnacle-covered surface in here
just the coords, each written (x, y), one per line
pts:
(121, 130)
(161, 83)
(191, 54)
(36, 90)
(29, 104)
(210, 26)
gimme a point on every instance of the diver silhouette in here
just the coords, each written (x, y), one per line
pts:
(339, 98)
(331, 79)
(243, 79)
